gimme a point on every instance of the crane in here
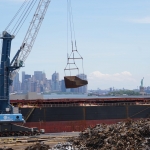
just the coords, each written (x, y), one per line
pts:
(8, 69)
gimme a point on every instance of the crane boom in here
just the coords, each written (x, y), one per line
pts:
(33, 29)
(9, 69)
(32, 32)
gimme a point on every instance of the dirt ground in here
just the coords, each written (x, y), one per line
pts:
(20, 143)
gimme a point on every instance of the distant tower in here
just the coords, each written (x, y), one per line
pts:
(16, 83)
(44, 77)
(63, 87)
(142, 87)
(142, 82)
(82, 89)
(23, 76)
(111, 89)
(38, 75)
(55, 82)
(23, 81)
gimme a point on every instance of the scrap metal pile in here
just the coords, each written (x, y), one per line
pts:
(129, 135)
(38, 146)
(63, 146)
(123, 135)
(59, 146)
(5, 148)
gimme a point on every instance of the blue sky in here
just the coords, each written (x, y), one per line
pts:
(112, 36)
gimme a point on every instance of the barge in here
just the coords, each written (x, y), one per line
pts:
(66, 115)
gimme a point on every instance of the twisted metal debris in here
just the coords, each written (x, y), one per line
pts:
(38, 146)
(129, 135)
(123, 135)
(59, 146)
(5, 148)
(63, 146)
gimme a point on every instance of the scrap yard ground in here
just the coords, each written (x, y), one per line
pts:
(128, 135)
(20, 143)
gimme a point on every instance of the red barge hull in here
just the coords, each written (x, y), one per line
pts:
(66, 115)
(69, 126)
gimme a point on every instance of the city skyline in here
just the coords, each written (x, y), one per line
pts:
(51, 77)
(112, 37)
(38, 82)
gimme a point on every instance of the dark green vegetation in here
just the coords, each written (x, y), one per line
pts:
(123, 92)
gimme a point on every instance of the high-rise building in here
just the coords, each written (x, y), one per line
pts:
(82, 89)
(16, 83)
(27, 76)
(49, 85)
(63, 87)
(38, 75)
(43, 77)
(111, 89)
(55, 82)
(26, 82)
(26, 86)
(23, 76)
(33, 87)
(39, 83)
(23, 81)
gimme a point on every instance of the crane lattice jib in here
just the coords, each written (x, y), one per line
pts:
(33, 29)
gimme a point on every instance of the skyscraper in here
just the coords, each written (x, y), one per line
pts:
(82, 89)
(27, 84)
(23, 81)
(55, 82)
(63, 87)
(44, 77)
(27, 76)
(38, 75)
(16, 83)
(23, 76)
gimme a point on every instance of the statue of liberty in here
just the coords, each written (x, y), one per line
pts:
(142, 82)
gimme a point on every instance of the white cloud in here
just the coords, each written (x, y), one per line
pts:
(145, 20)
(100, 80)
(125, 75)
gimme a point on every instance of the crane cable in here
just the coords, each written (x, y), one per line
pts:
(25, 18)
(71, 23)
(25, 10)
(16, 15)
(72, 32)
(73, 37)
(25, 14)
(68, 19)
